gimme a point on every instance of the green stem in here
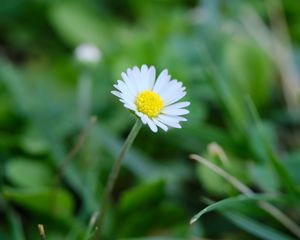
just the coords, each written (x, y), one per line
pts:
(114, 174)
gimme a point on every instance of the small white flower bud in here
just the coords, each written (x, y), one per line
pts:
(88, 53)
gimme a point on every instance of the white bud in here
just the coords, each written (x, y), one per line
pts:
(88, 53)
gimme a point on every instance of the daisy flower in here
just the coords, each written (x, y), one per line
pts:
(154, 101)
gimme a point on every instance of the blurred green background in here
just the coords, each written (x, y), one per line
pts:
(240, 62)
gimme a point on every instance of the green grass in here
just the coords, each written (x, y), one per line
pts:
(239, 68)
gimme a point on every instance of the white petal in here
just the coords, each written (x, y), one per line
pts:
(169, 121)
(174, 98)
(130, 106)
(143, 118)
(178, 105)
(162, 79)
(173, 124)
(144, 77)
(170, 88)
(132, 77)
(138, 79)
(176, 112)
(126, 100)
(165, 118)
(116, 93)
(180, 119)
(151, 124)
(144, 69)
(117, 87)
(122, 101)
(125, 91)
(124, 97)
(130, 83)
(151, 77)
(161, 125)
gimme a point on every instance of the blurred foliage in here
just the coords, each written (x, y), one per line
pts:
(235, 83)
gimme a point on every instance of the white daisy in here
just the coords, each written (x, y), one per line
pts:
(155, 101)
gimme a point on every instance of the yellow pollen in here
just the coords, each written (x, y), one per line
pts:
(149, 103)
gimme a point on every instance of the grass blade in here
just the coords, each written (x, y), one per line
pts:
(229, 202)
(269, 208)
(282, 173)
(255, 228)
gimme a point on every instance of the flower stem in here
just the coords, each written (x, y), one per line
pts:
(114, 174)
(42, 231)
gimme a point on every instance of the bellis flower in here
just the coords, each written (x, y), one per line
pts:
(154, 101)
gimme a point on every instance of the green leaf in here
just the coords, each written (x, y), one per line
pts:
(215, 183)
(172, 220)
(32, 143)
(231, 202)
(16, 224)
(142, 196)
(249, 69)
(257, 229)
(54, 202)
(292, 164)
(77, 23)
(153, 238)
(210, 181)
(263, 171)
(28, 173)
(17, 88)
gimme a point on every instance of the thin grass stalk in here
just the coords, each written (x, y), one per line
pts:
(269, 208)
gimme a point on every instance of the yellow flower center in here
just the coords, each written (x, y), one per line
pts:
(149, 103)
